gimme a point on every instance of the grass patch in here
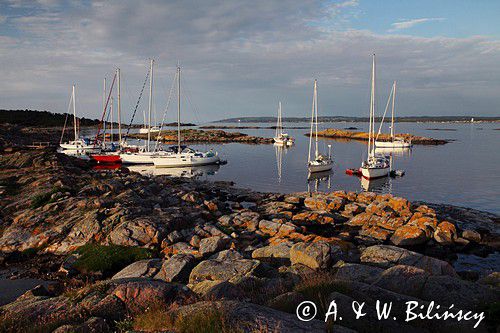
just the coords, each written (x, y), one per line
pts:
(108, 259)
(212, 320)
(318, 287)
(42, 199)
(153, 320)
(208, 320)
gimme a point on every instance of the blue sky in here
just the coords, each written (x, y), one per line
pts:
(450, 18)
(239, 58)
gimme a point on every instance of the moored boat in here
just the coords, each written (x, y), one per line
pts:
(394, 142)
(281, 138)
(376, 165)
(320, 162)
(183, 156)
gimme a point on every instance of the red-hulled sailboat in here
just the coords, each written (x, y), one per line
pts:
(108, 157)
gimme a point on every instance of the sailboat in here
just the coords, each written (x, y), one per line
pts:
(281, 138)
(320, 162)
(108, 155)
(395, 142)
(183, 156)
(144, 154)
(78, 145)
(375, 165)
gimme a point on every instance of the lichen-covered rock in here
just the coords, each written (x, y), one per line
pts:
(445, 233)
(318, 255)
(409, 235)
(216, 290)
(386, 256)
(279, 253)
(356, 272)
(177, 268)
(211, 245)
(143, 268)
(224, 270)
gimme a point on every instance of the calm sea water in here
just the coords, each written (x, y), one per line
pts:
(465, 172)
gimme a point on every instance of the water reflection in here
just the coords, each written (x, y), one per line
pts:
(186, 172)
(393, 151)
(315, 179)
(379, 185)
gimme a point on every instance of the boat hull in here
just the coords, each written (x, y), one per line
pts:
(107, 159)
(372, 173)
(392, 144)
(136, 158)
(180, 161)
(320, 167)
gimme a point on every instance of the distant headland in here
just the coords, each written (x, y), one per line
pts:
(336, 119)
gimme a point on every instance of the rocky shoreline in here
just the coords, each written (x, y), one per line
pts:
(363, 136)
(130, 252)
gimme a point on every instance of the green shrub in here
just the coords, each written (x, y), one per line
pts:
(42, 199)
(108, 259)
(318, 287)
(210, 321)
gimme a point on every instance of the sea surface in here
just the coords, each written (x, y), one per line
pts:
(464, 172)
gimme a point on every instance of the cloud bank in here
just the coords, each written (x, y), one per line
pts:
(238, 57)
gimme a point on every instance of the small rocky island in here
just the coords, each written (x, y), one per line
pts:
(127, 252)
(363, 136)
(205, 136)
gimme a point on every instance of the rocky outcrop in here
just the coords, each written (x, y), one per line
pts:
(211, 241)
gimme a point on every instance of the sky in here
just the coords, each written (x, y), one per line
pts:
(239, 58)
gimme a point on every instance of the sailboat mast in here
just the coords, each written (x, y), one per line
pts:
(150, 103)
(179, 109)
(111, 123)
(311, 130)
(316, 113)
(392, 117)
(119, 108)
(104, 108)
(372, 111)
(74, 111)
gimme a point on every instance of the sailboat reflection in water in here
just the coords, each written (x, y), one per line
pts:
(315, 179)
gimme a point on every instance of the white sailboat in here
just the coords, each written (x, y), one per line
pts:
(78, 145)
(319, 162)
(184, 156)
(143, 155)
(281, 138)
(375, 166)
(395, 142)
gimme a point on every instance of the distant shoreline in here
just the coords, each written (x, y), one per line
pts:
(338, 119)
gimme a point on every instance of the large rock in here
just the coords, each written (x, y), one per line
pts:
(137, 296)
(387, 256)
(138, 232)
(445, 233)
(407, 280)
(357, 272)
(176, 268)
(143, 268)
(211, 245)
(279, 253)
(247, 317)
(318, 255)
(408, 235)
(216, 290)
(224, 270)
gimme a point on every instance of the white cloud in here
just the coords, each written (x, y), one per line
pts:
(406, 24)
(238, 58)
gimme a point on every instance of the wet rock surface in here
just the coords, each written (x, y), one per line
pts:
(181, 246)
